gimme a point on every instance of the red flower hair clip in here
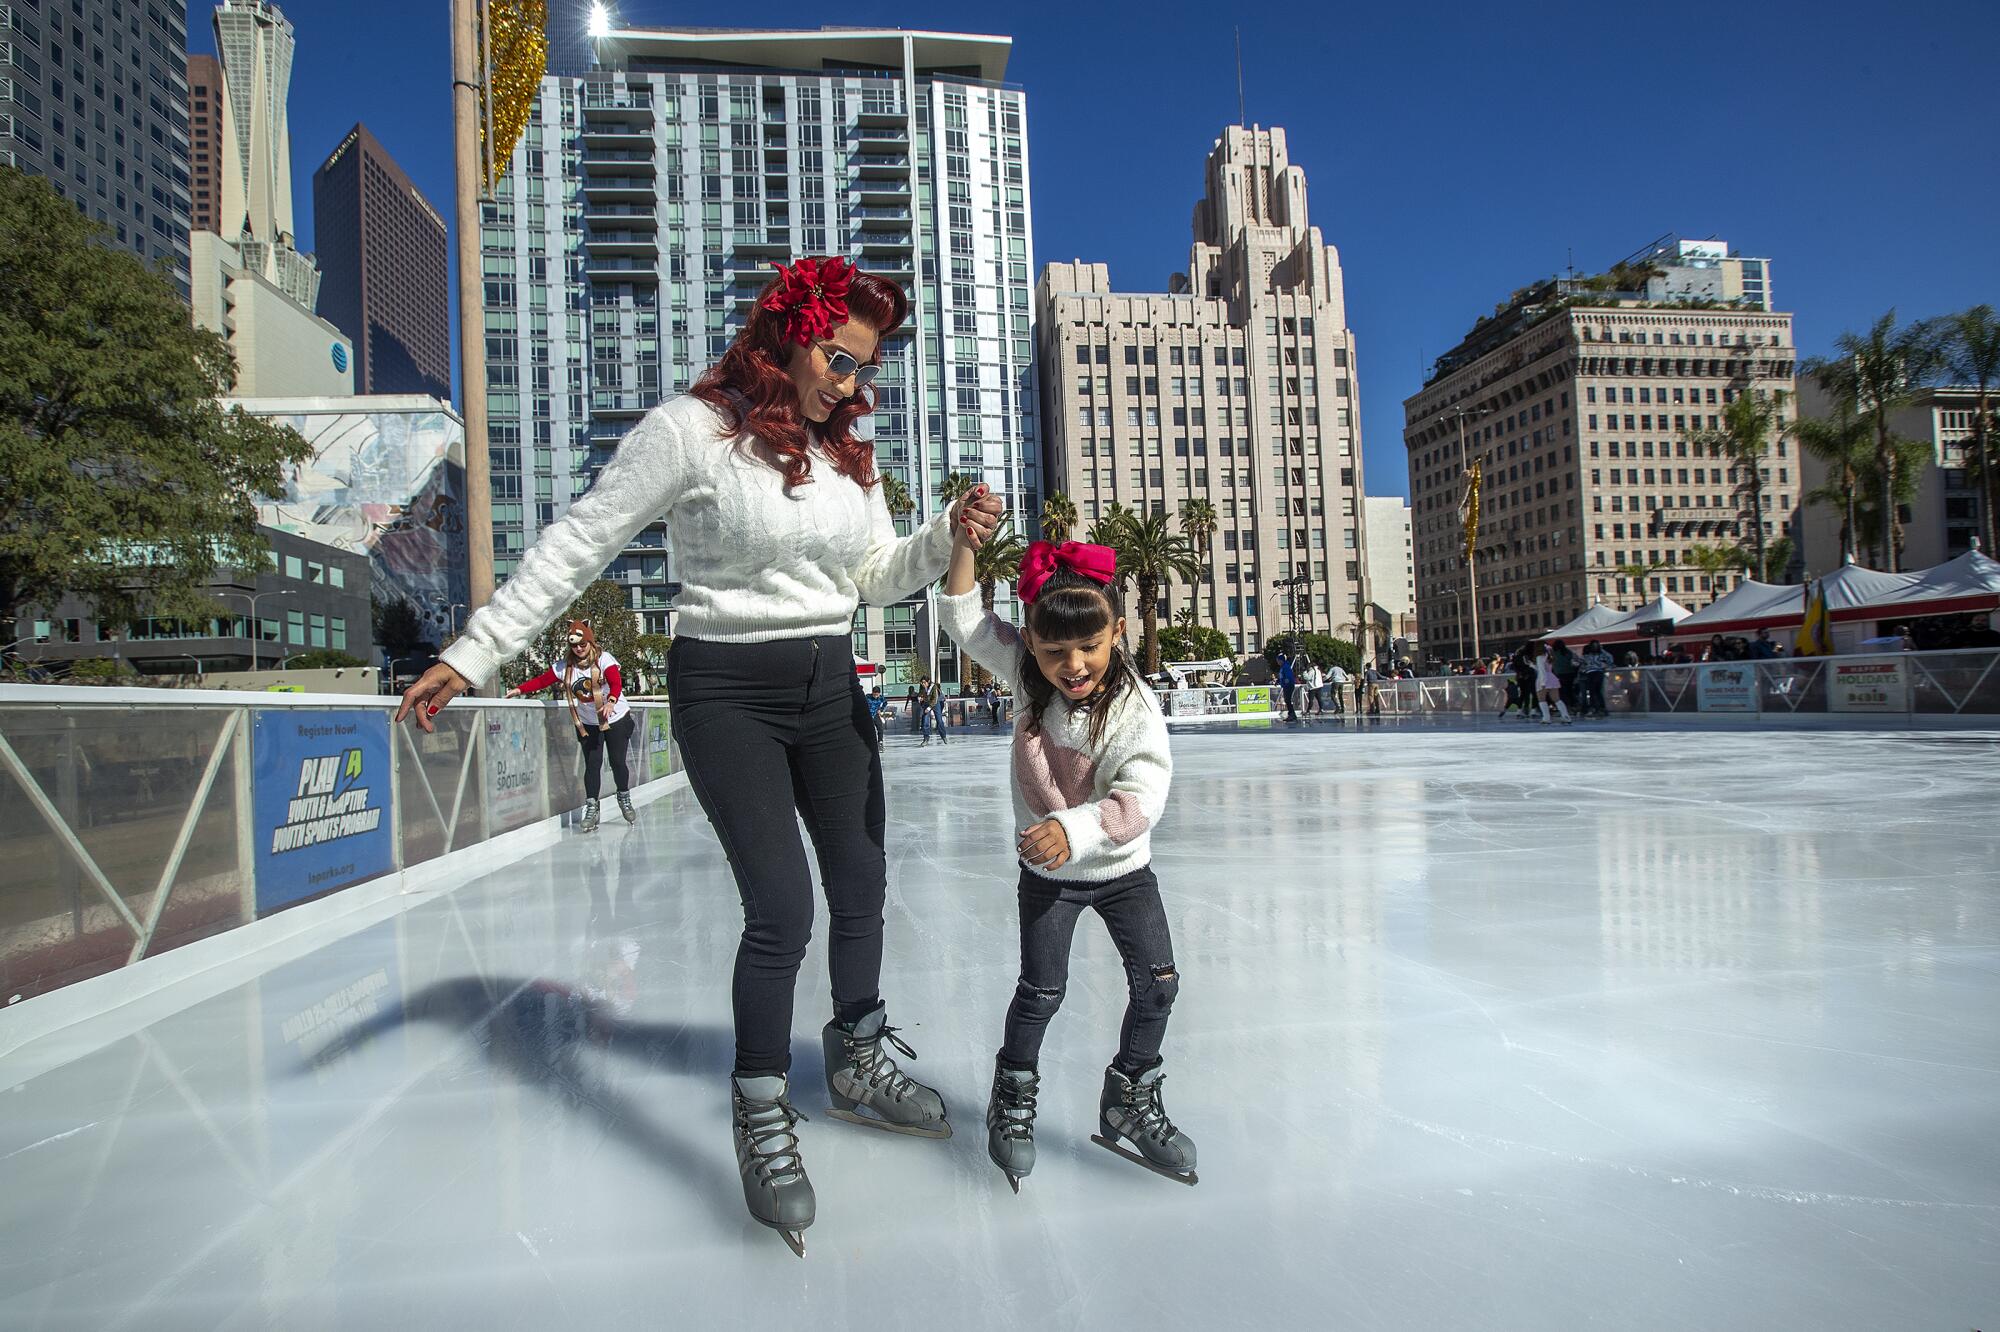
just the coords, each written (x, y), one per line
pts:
(812, 293)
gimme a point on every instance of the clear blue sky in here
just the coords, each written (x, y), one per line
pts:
(1453, 153)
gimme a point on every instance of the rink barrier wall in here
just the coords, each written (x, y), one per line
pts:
(1853, 687)
(136, 823)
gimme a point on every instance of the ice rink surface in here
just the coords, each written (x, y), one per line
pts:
(1492, 1028)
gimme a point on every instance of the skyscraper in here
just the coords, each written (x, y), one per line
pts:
(1580, 398)
(255, 45)
(96, 101)
(643, 211)
(384, 271)
(205, 141)
(1236, 387)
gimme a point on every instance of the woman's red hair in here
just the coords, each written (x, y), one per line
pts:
(752, 390)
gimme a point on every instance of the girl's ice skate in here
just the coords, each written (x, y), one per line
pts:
(1010, 1121)
(863, 1077)
(775, 1187)
(1130, 1108)
(625, 807)
(589, 824)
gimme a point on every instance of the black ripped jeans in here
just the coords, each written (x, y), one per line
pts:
(771, 733)
(616, 740)
(1132, 911)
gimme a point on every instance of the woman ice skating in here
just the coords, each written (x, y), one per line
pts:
(779, 529)
(591, 683)
(1091, 771)
(1548, 685)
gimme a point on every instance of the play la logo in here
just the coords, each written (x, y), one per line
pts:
(329, 803)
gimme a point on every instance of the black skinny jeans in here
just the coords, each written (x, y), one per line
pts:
(755, 722)
(594, 745)
(1138, 923)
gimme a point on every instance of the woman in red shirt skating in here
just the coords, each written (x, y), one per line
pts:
(591, 683)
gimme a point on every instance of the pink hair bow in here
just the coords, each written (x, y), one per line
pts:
(1097, 563)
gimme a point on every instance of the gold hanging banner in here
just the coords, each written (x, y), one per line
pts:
(514, 47)
(1471, 511)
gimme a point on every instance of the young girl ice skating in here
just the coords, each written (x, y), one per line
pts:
(1091, 770)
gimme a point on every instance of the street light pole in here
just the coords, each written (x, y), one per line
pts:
(467, 79)
(1461, 414)
(257, 625)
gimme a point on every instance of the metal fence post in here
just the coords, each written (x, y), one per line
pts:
(246, 816)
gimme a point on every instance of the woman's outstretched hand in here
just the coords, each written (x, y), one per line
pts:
(977, 516)
(436, 687)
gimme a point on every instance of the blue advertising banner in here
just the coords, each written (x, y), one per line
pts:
(322, 803)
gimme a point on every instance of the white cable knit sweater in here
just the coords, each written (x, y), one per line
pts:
(756, 563)
(1107, 796)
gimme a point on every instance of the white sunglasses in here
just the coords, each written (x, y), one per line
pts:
(840, 364)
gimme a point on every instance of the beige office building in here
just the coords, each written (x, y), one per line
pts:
(1945, 519)
(1578, 398)
(1392, 565)
(1236, 386)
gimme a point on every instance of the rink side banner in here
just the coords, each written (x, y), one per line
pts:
(517, 790)
(1873, 685)
(659, 743)
(1730, 688)
(322, 803)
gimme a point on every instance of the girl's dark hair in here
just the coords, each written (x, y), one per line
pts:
(1071, 606)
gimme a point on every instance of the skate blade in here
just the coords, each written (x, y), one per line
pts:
(1178, 1176)
(911, 1130)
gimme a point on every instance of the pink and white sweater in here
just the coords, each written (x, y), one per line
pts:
(1107, 796)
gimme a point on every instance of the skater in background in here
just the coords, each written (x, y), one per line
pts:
(595, 690)
(1548, 685)
(780, 530)
(875, 705)
(1312, 687)
(1336, 680)
(1524, 679)
(1091, 771)
(1596, 663)
(1288, 679)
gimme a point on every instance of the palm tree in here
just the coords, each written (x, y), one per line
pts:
(1058, 516)
(1845, 443)
(998, 561)
(1105, 531)
(1717, 562)
(1149, 553)
(1641, 574)
(1198, 522)
(1778, 557)
(1750, 427)
(1972, 353)
(896, 494)
(956, 484)
(1878, 373)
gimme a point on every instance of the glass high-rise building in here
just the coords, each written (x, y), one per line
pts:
(94, 96)
(642, 213)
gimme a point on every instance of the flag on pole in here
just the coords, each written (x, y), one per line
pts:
(514, 52)
(1813, 639)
